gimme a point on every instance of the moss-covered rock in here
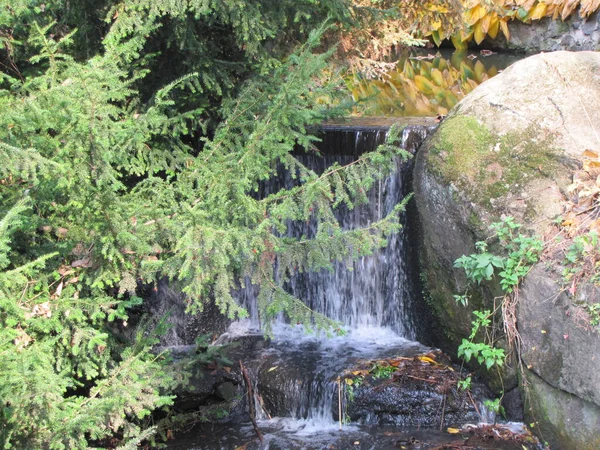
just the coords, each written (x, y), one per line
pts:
(563, 420)
(508, 149)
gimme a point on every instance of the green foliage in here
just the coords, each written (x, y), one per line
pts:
(131, 148)
(582, 258)
(382, 371)
(464, 384)
(594, 311)
(351, 384)
(480, 266)
(483, 352)
(64, 379)
(521, 252)
(495, 406)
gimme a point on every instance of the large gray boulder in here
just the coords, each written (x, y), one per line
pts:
(510, 149)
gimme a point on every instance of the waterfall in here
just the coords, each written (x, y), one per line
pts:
(374, 298)
(298, 377)
(376, 291)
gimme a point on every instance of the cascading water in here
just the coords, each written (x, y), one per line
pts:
(376, 291)
(296, 378)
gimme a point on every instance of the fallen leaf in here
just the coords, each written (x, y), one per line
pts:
(453, 430)
(426, 359)
(59, 289)
(590, 154)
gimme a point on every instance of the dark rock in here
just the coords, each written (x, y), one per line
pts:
(164, 301)
(512, 402)
(227, 391)
(410, 404)
(562, 420)
(589, 26)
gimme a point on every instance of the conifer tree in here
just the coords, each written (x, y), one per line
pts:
(108, 181)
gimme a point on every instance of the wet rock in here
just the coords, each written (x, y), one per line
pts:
(412, 392)
(389, 402)
(227, 391)
(164, 301)
(512, 402)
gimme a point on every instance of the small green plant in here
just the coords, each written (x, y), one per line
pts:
(522, 252)
(462, 299)
(479, 266)
(351, 384)
(594, 312)
(382, 371)
(582, 259)
(495, 406)
(483, 352)
(465, 384)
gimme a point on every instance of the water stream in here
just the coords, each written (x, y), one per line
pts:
(377, 301)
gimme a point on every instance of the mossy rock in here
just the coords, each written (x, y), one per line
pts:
(508, 149)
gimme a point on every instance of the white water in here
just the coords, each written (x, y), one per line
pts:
(372, 299)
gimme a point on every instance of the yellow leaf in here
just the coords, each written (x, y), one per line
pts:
(538, 12)
(466, 72)
(588, 7)
(458, 42)
(437, 77)
(478, 33)
(590, 154)
(424, 85)
(479, 71)
(466, 35)
(568, 9)
(438, 8)
(435, 35)
(504, 27)
(485, 23)
(272, 368)
(494, 26)
(426, 359)
(451, 99)
(475, 14)
(527, 4)
(453, 430)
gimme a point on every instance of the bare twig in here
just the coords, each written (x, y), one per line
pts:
(251, 409)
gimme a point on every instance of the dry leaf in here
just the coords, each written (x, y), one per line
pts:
(59, 289)
(426, 359)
